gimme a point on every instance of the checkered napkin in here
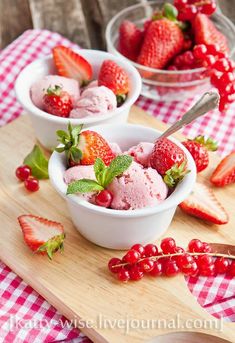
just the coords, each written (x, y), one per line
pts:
(18, 301)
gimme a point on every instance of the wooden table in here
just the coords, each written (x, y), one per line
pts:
(82, 21)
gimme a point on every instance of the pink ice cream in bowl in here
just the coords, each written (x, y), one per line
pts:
(91, 104)
(142, 205)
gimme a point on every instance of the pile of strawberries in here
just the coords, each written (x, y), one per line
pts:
(182, 37)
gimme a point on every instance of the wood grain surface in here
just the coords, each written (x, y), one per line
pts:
(77, 282)
(82, 21)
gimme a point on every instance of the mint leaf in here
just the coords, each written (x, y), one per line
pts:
(117, 166)
(38, 163)
(83, 186)
(99, 169)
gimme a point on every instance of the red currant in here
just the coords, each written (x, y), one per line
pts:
(112, 263)
(200, 51)
(226, 78)
(231, 65)
(104, 198)
(136, 273)
(208, 271)
(23, 172)
(185, 261)
(132, 256)
(31, 184)
(231, 269)
(192, 270)
(168, 245)
(206, 248)
(195, 245)
(146, 265)
(123, 275)
(172, 67)
(209, 61)
(204, 261)
(208, 8)
(179, 61)
(223, 105)
(187, 13)
(157, 269)
(180, 3)
(171, 268)
(222, 65)
(216, 79)
(151, 250)
(139, 248)
(213, 49)
(221, 265)
(177, 250)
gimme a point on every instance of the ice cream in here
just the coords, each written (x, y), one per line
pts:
(94, 101)
(115, 149)
(39, 88)
(141, 153)
(138, 187)
(80, 172)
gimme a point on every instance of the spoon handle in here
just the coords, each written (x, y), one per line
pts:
(207, 102)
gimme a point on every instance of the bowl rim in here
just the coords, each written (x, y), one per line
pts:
(30, 107)
(154, 70)
(183, 189)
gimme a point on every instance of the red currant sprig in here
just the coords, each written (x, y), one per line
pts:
(24, 173)
(198, 261)
(189, 8)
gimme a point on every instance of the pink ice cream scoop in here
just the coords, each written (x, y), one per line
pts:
(141, 153)
(81, 172)
(94, 101)
(138, 187)
(39, 88)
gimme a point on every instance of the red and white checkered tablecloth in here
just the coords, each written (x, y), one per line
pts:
(18, 301)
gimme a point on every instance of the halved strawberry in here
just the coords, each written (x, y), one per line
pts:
(203, 204)
(71, 64)
(42, 235)
(84, 147)
(224, 174)
(206, 33)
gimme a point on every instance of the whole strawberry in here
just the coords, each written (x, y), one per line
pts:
(83, 147)
(198, 148)
(163, 40)
(130, 40)
(57, 102)
(112, 76)
(169, 160)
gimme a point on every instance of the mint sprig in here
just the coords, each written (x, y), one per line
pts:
(104, 175)
(38, 163)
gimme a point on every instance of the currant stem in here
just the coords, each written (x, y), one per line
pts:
(155, 258)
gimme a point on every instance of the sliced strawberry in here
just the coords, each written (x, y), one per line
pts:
(84, 147)
(71, 64)
(42, 235)
(203, 204)
(224, 174)
(130, 40)
(206, 33)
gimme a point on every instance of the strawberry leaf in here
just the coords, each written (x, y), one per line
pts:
(117, 166)
(175, 174)
(83, 186)
(38, 163)
(170, 12)
(209, 143)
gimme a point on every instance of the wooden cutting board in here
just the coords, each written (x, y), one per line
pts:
(78, 283)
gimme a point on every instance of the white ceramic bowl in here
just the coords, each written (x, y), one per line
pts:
(119, 229)
(45, 125)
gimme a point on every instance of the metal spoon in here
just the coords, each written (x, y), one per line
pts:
(207, 102)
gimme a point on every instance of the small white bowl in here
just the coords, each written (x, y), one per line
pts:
(119, 229)
(45, 125)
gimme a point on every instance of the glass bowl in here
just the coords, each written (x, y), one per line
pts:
(165, 85)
